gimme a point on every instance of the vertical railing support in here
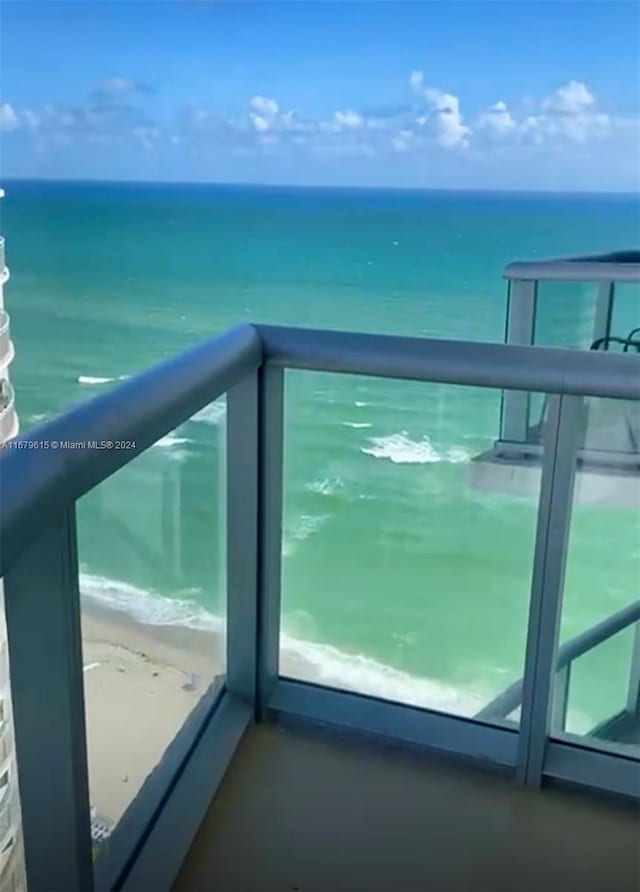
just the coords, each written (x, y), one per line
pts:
(633, 696)
(560, 704)
(521, 321)
(254, 534)
(242, 536)
(270, 531)
(42, 604)
(552, 538)
(604, 312)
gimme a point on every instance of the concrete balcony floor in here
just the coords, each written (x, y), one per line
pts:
(304, 809)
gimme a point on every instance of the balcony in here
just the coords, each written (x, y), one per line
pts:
(6, 347)
(264, 758)
(8, 417)
(4, 270)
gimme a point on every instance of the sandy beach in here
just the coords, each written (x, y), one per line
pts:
(141, 682)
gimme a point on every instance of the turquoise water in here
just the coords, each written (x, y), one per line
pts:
(399, 577)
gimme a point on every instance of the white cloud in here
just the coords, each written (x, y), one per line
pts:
(348, 120)
(8, 118)
(569, 116)
(450, 129)
(261, 124)
(570, 113)
(497, 121)
(444, 113)
(573, 98)
(147, 136)
(264, 113)
(403, 141)
(264, 106)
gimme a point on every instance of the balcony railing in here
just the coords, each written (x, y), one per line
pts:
(41, 484)
(4, 270)
(511, 699)
(8, 418)
(6, 347)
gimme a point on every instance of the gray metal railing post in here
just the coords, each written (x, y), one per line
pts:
(242, 536)
(633, 696)
(604, 311)
(552, 537)
(42, 604)
(270, 531)
(521, 321)
(560, 704)
(254, 534)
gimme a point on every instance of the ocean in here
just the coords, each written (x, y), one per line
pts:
(399, 578)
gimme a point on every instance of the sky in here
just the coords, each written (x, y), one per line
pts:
(488, 95)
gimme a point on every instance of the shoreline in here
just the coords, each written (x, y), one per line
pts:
(143, 680)
(141, 683)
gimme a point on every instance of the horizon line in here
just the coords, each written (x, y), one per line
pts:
(320, 187)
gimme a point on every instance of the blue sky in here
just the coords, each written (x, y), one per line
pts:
(514, 95)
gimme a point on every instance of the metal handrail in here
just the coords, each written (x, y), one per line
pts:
(511, 697)
(501, 366)
(619, 266)
(38, 481)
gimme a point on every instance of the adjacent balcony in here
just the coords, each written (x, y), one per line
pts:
(252, 767)
(8, 416)
(4, 270)
(6, 346)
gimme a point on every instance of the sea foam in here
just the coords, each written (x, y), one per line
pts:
(401, 449)
(311, 661)
(170, 440)
(327, 486)
(91, 379)
(147, 606)
(212, 414)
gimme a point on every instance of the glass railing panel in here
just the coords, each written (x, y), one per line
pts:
(408, 542)
(625, 318)
(151, 551)
(598, 692)
(565, 314)
(574, 314)
(602, 575)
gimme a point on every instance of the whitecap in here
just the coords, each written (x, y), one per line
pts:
(325, 664)
(90, 379)
(322, 664)
(326, 487)
(170, 440)
(146, 605)
(212, 414)
(93, 379)
(458, 455)
(360, 404)
(400, 449)
(356, 424)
